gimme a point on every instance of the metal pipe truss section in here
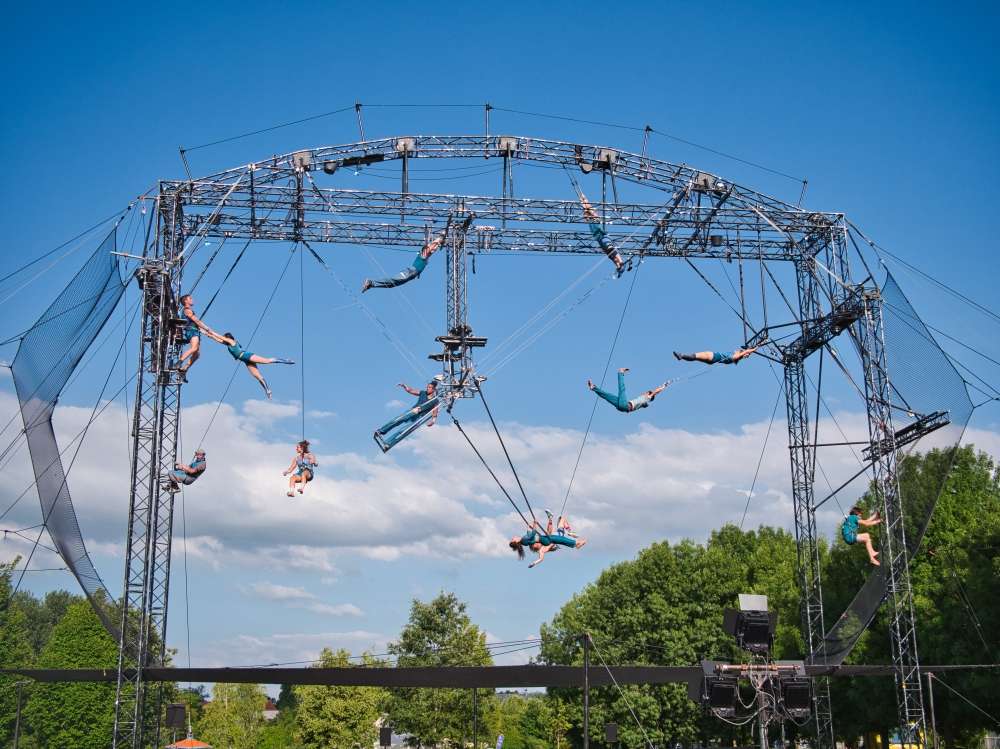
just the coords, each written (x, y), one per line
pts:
(701, 216)
(894, 554)
(802, 453)
(155, 425)
(456, 358)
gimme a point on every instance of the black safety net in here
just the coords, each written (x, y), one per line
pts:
(930, 410)
(46, 358)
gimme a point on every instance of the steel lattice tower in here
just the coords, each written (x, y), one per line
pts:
(268, 201)
(155, 426)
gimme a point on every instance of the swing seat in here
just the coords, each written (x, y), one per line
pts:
(386, 446)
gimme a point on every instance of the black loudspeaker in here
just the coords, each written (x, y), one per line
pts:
(385, 736)
(175, 716)
(796, 694)
(611, 733)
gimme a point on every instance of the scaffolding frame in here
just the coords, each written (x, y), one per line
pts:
(699, 217)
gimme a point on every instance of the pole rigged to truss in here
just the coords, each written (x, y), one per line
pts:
(155, 427)
(698, 215)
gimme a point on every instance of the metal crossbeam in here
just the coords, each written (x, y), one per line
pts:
(694, 215)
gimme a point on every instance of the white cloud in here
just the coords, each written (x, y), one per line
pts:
(318, 414)
(273, 592)
(395, 404)
(300, 598)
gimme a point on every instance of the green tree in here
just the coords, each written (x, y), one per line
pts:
(337, 716)
(438, 633)
(953, 575)
(665, 608)
(15, 649)
(43, 614)
(526, 721)
(74, 714)
(234, 719)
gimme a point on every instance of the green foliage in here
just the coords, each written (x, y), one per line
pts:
(954, 578)
(15, 650)
(665, 607)
(42, 615)
(439, 633)
(234, 718)
(337, 716)
(74, 714)
(526, 722)
(280, 732)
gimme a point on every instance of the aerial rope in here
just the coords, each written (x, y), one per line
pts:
(302, 336)
(236, 368)
(504, 446)
(487, 467)
(401, 349)
(593, 410)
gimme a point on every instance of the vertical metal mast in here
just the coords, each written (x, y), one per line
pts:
(155, 424)
(894, 556)
(458, 343)
(803, 461)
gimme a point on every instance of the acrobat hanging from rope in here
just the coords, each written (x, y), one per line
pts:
(419, 262)
(718, 357)
(302, 468)
(251, 360)
(425, 410)
(543, 542)
(621, 400)
(849, 531)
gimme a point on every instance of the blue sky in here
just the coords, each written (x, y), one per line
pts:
(890, 112)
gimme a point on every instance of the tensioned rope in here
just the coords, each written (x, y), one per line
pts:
(487, 467)
(401, 349)
(621, 692)
(763, 449)
(399, 292)
(237, 365)
(593, 410)
(504, 446)
(302, 336)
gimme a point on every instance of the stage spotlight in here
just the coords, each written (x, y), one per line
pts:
(716, 240)
(715, 690)
(796, 696)
(330, 166)
(752, 625)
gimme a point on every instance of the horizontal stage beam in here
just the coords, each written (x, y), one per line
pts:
(731, 217)
(484, 239)
(464, 677)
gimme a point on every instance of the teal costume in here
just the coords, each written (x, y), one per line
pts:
(183, 477)
(557, 539)
(719, 357)
(621, 401)
(302, 465)
(189, 332)
(849, 529)
(405, 276)
(424, 405)
(238, 353)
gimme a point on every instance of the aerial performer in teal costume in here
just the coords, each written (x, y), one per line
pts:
(302, 468)
(251, 360)
(187, 474)
(428, 401)
(419, 262)
(191, 335)
(849, 531)
(621, 400)
(718, 357)
(543, 542)
(600, 235)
